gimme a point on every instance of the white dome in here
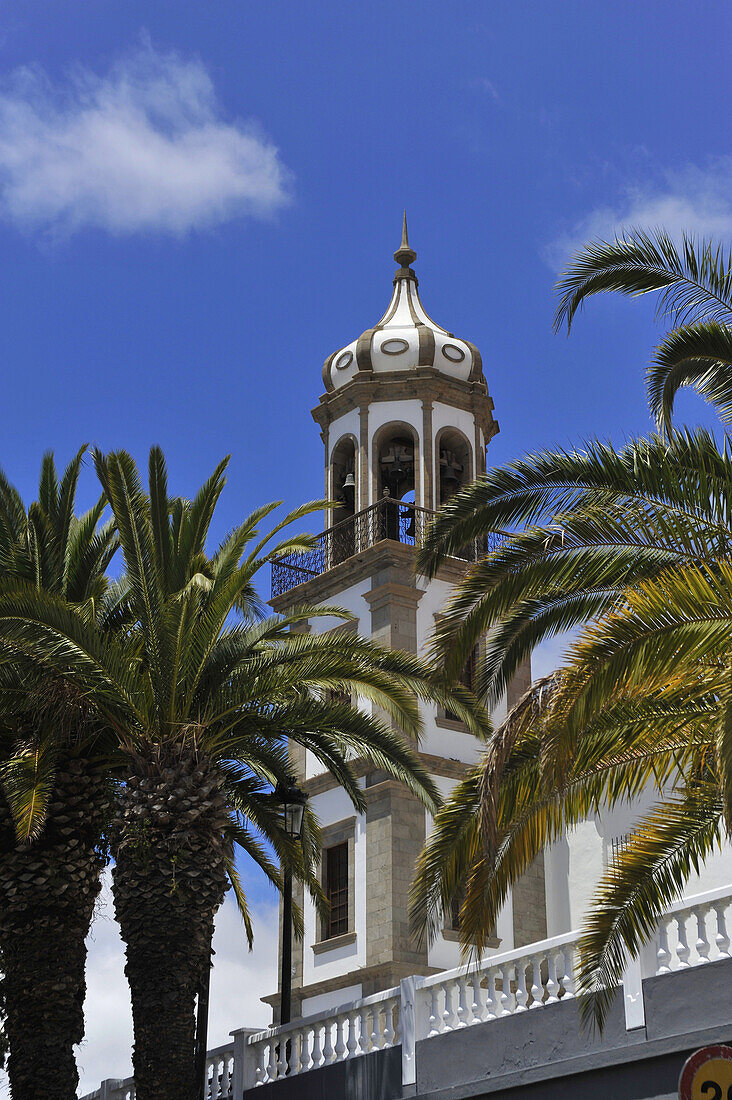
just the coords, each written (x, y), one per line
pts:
(405, 338)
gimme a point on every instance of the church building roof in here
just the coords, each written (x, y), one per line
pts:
(405, 337)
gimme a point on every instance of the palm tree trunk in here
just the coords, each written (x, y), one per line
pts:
(47, 893)
(169, 879)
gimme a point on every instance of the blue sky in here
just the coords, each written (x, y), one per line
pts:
(199, 202)
(135, 311)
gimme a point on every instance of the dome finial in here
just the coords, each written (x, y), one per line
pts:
(405, 238)
(405, 255)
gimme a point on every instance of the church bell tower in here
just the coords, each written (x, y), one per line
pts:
(405, 421)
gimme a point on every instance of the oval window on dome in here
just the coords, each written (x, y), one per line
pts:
(344, 360)
(453, 353)
(394, 347)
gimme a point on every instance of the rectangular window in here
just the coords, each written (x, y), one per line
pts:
(455, 907)
(340, 696)
(336, 889)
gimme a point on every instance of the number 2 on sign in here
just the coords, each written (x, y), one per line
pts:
(711, 1090)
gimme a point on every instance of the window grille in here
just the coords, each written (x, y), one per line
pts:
(618, 844)
(336, 889)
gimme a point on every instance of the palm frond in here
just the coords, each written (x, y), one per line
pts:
(697, 355)
(694, 280)
(665, 848)
(27, 778)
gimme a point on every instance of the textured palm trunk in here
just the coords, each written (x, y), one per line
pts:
(47, 895)
(169, 879)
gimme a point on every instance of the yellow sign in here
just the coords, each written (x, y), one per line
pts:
(707, 1075)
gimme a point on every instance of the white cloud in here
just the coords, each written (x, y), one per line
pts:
(488, 86)
(144, 147)
(238, 981)
(697, 200)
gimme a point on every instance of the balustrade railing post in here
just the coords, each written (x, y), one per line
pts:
(635, 1009)
(408, 1028)
(245, 1062)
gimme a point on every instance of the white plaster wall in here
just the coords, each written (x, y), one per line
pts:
(620, 820)
(351, 599)
(324, 1002)
(436, 595)
(348, 424)
(575, 864)
(438, 741)
(572, 867)
(330, 807)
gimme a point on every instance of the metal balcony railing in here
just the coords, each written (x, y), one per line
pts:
(391, 519)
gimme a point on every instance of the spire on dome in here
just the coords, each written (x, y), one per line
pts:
(405, 255)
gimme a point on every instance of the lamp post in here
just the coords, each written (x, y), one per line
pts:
(293, 802)
(202, 1027)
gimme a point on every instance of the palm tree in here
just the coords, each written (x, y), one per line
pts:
(54, 792)
(636, 543)
(205, 695)
(694, 284)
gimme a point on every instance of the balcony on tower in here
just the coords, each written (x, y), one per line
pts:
(388, 520)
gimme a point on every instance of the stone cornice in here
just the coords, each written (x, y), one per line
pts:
(436, 765)
(423, 383)
(361, 975)
(359, 567)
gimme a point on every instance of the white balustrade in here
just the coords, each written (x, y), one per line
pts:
(501, 985)
(219, 1074)
(694, 931)
(335, 1036)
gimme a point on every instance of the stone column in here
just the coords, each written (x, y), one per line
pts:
(479, 457)
(428, 458)
(364, 466)
(325, 436)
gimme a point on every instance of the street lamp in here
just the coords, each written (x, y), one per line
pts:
(293, 802)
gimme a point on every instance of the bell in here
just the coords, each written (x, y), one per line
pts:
(350, 482)
(450, 476)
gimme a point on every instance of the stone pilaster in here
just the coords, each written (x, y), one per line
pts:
(395, 820)
(395, 834)
(519, 685)
(529, 905)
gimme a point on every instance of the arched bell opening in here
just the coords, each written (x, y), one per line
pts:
(396, 468)
(396, 461)
(343, 493)
(343, 478)
(454, 463)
